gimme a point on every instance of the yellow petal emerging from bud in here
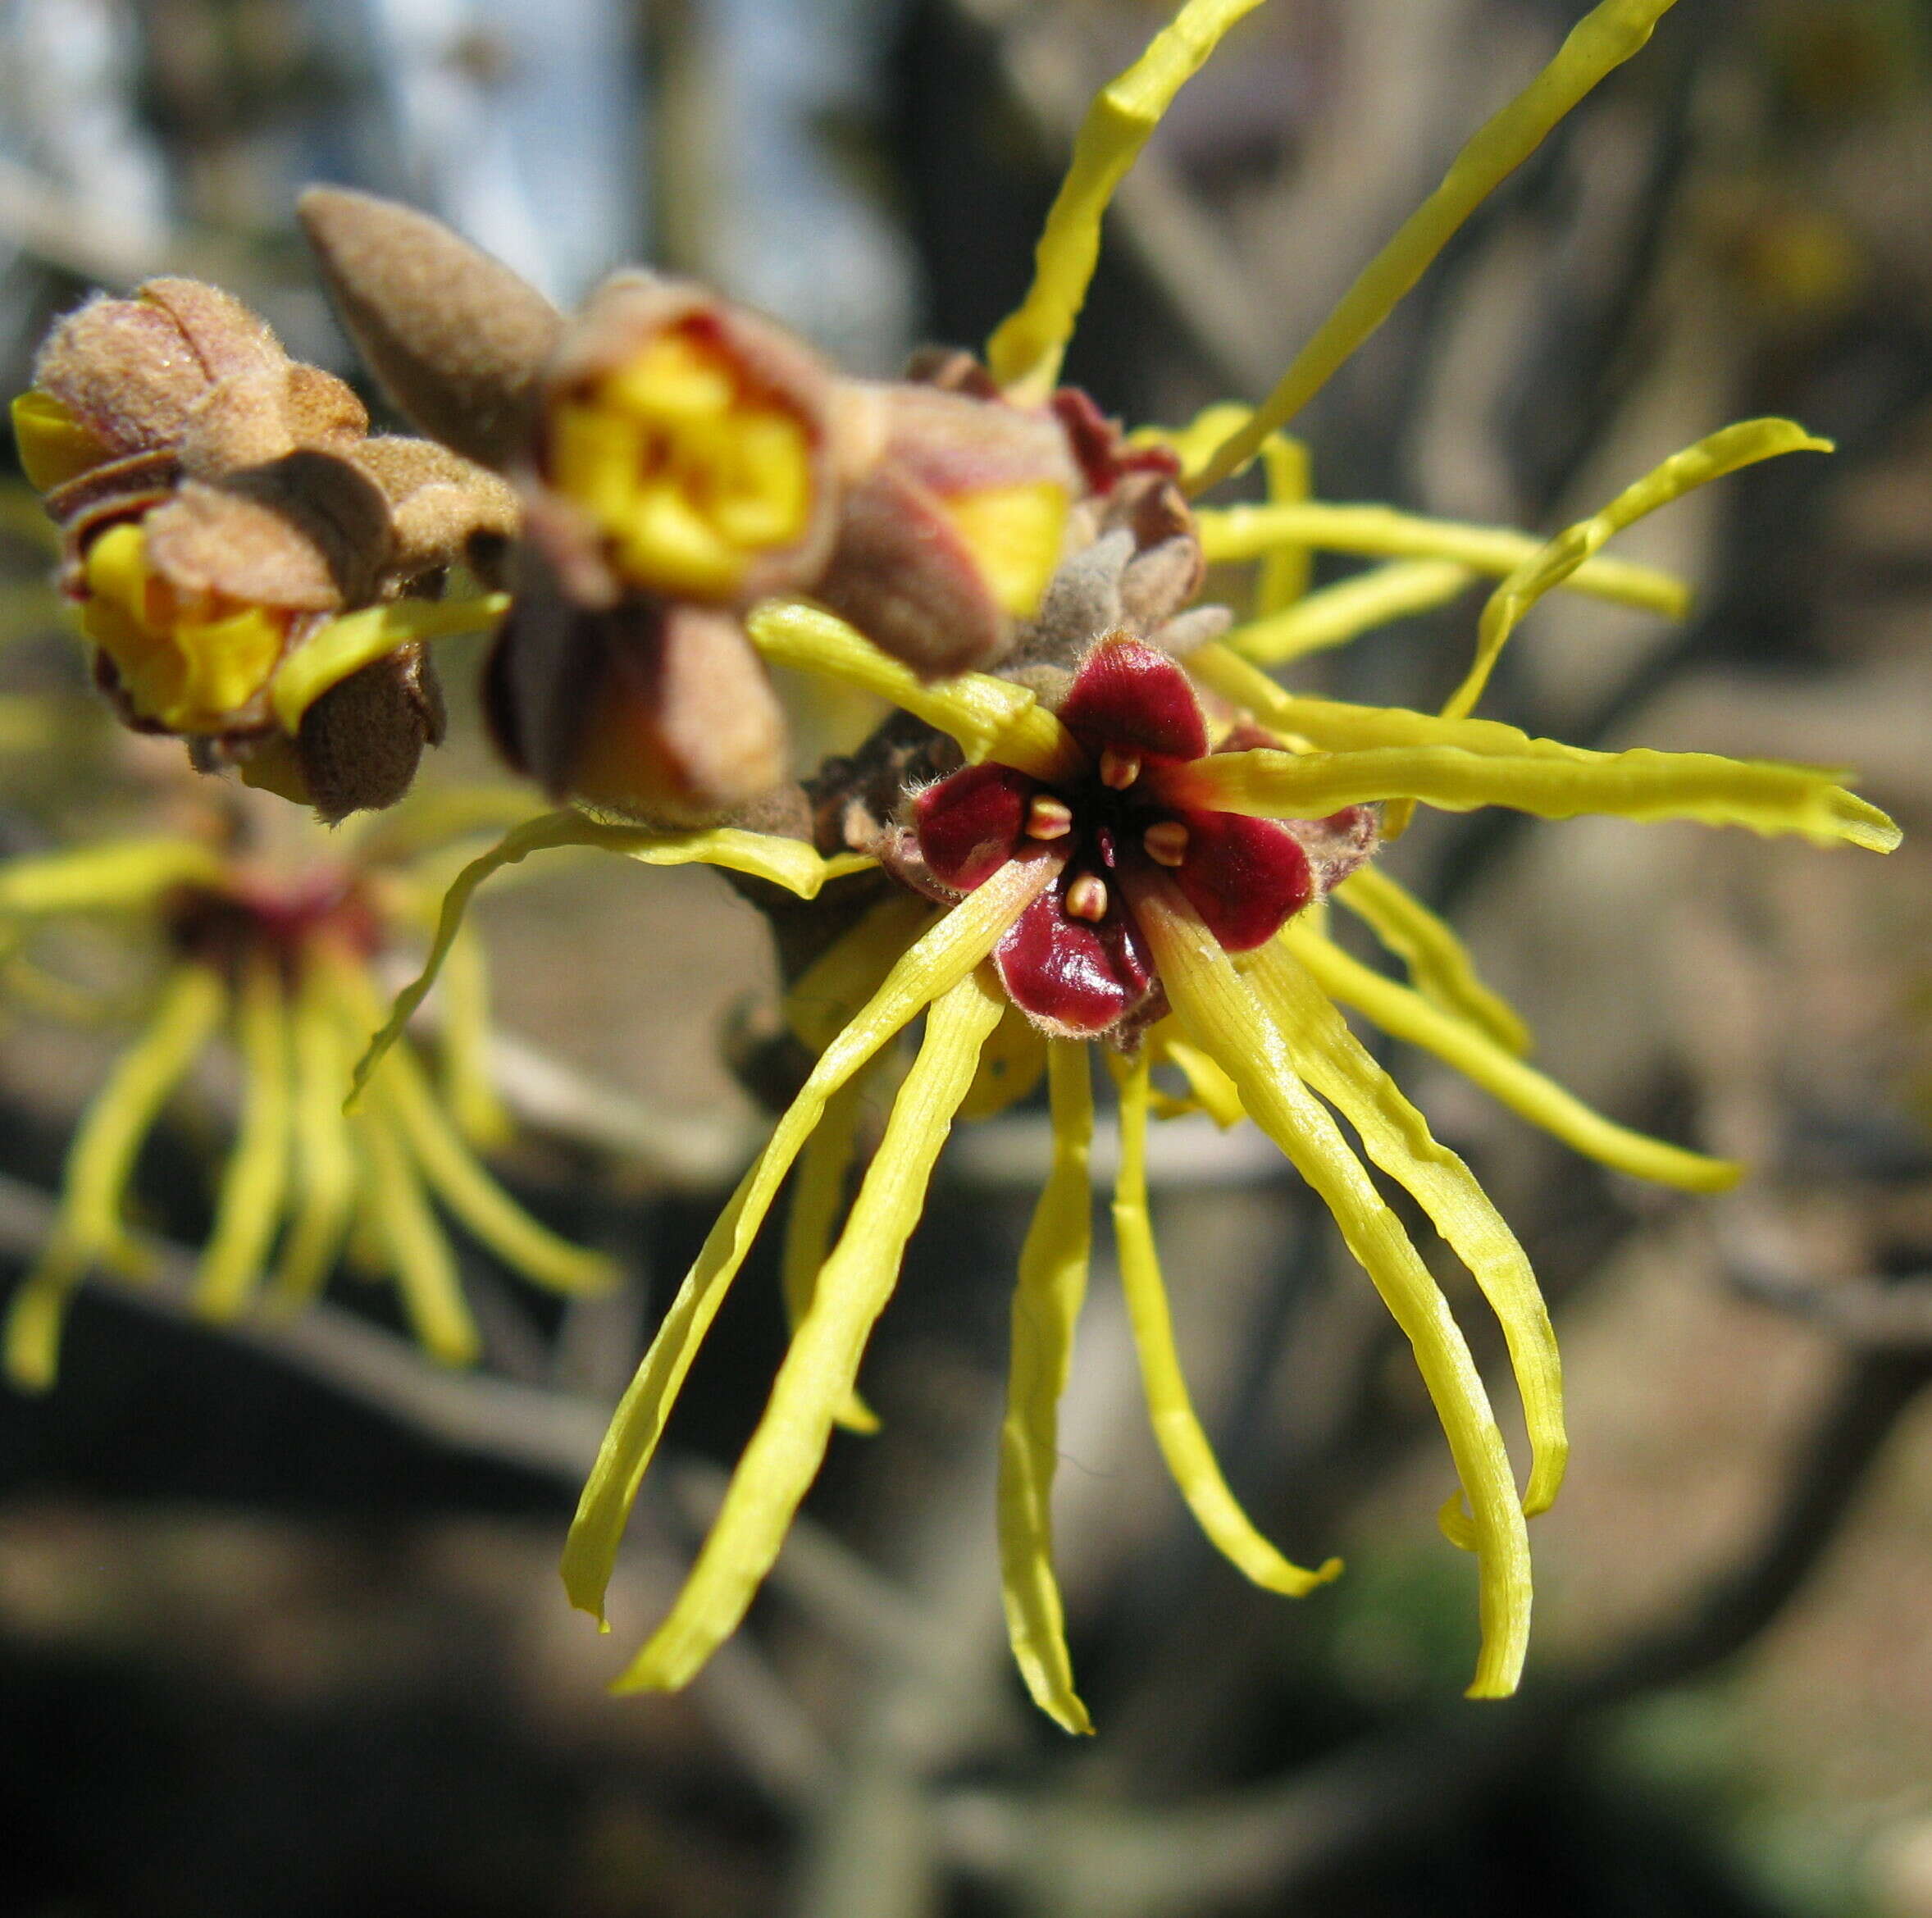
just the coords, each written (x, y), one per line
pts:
(189, 666)
(54, 446)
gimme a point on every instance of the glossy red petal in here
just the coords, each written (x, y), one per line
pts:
(1246, 877)
(1133, 698)
(1075, 977)
(970, 824)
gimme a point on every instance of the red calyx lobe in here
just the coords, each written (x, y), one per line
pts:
(1076, 975)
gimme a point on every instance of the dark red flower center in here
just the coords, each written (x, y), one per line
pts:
(1076, 960)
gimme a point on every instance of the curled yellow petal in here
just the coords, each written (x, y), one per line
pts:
(789, 862)
(1439, 965)
(248, 1206)
(100, 1160)
(821, 1362)
(1209, 1087)
(345, 645)
(1407, 1016)
(1221, 1013)
(1344, 612)
(1025, 350)
(1723, 451)
(1396, 1137)
(947, 953)
(1053, 1265)
(817, 1204)
(1761, 794)
(326, 1190)
(991, 718)
(413, 1244)
(826, 995)
(468, 1088)
(452, 1170)
(1010, 1066)
(1183, 1445)
(1234, 533)
(122, 872)
(1605, 37)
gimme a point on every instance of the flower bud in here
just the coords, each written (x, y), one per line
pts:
(954, 525)
(657, 710)
(689, 441)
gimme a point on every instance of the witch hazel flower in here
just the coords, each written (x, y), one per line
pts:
(1123, 825)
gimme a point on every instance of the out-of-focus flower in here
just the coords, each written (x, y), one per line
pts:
(248, 564)
(270, 951)
(1105, 843)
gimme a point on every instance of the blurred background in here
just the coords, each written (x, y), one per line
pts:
(280, 1628)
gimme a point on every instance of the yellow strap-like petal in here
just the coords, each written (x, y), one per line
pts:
(1286, 567)
(935, 965)
(1439, 965)
(469, 1089)
(1396, 1137)
(990, 718)
(1222, 1013)
(1025, 350)
(1601, 42)
(414, 1244)
(248, 1206)
(789, 862)
(122, 872)
(326, 1188)
(1209, 1089)
(831, 989)
(1721, 452)
(1235, 533)
(453, 1172)
(1046, 1303)
(1761, 794)
(1011, 1064)
(1185, 1447)
(330, 653)
(100, 1160)
(817, 1204)
(1407, 1016)
(1351, 608)
(821, 1362)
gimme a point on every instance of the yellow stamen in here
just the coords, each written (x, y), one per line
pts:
(1183, 1445)
(1118, 769)
(1605, 37)
(1053, 1265)
(822, 1361)
(1086, 898)
(1048, 817)
(1166, 842)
